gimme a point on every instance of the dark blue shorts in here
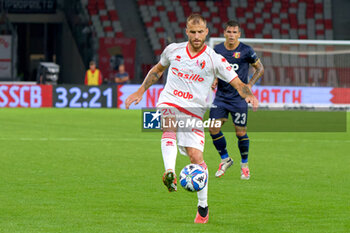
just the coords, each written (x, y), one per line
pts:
(238, 111)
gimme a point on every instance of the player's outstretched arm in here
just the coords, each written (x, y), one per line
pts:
(245, 92)
(151, 78)
(259, 71)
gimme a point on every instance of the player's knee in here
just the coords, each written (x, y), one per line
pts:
(241, 133)
(196, 159)
(214, 130)
(196, 156)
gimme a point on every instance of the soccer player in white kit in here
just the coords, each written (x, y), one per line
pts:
(193, 67)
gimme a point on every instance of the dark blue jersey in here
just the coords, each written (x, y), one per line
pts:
(239, 58)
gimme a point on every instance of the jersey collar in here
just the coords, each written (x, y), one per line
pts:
(234, 48)
(198, 54)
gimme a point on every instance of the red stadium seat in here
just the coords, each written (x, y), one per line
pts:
(172, 16)
(101, 6)
(156, 19)
(182, 25)
(158, 52)
(319, 8)
(319, 32)
(328, 24)
(149, 24)
(108, 29)
(113, 15)
(178, 35)
(119, 34)
(259, 28)
(104, 18)
(161, 8)
(160, 29)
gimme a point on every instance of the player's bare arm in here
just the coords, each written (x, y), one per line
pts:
(245, 92)
(215, 84)
(259, 71)
(151, 78)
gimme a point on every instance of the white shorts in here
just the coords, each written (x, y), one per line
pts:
(187, 135)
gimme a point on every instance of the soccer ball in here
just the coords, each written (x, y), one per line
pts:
(193, 178)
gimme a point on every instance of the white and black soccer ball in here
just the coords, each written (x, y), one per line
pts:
(193, 178)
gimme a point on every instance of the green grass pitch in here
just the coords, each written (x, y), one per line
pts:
(86, 170)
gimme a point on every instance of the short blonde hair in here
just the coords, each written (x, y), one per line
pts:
(195, 18)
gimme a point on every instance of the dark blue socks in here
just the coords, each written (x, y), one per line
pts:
(220, 144)
(243, 145)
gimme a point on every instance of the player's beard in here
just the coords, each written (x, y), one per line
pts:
(198, 45)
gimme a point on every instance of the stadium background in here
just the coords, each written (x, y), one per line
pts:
(68, 170)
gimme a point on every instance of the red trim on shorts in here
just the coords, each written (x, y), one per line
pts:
(198, 54)
(198, 132)
(181, 109)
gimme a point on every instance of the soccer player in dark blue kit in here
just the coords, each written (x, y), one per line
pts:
(227, 99)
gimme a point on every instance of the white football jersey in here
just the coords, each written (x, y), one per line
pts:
(190, 78)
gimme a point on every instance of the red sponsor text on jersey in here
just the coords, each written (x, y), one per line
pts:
(185, 95)
(193, 77)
